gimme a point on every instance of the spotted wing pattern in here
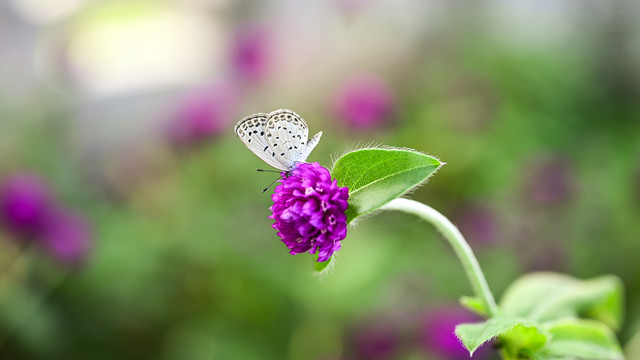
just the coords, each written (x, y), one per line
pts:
(287, 134)
(252, 131)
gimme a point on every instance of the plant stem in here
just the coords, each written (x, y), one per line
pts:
(457, 241)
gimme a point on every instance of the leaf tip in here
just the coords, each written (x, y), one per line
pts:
(323, 269)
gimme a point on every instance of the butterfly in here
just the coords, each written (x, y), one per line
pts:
(280, 138)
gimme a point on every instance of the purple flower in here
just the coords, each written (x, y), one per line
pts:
(25, 201)
(201, 115)
(309, 210)
(66, 236)
(363, 102)
(437, 335)
(250, 53)
(30, 211)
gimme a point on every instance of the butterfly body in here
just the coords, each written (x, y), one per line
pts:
(279, 138)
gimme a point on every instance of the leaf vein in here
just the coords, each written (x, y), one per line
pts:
(388, 176)
(369, 169)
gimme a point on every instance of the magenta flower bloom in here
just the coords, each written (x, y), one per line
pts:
(309, 210)
(67, 237)
(250, 53)
(201, 115)
(25, 201)
(29, 210)
(364, 102)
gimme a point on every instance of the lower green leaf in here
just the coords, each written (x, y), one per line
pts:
(476, 334)
(581, 339)
(548, 296)
(523, 341)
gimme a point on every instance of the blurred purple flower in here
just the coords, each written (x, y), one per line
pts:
(363, 102)
(437, 334)
(201, 115)
(551, 181)
(30, 211)
(250, 53)
(25, 201)
(376, 341)
(309, 210)
(478, 223)
(67, 236)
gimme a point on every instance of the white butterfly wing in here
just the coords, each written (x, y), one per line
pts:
(287, 134)
(252, 131)
(311, 144)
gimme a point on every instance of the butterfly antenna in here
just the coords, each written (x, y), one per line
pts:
(263, 170)
(274, 181)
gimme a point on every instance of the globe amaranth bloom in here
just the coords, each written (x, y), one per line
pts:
(24, 203)
(202, 114)
(67, 236)
(251, 53)
(30, 212)
(364, 102)
(309, 210)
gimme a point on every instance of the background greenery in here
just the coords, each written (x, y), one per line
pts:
(533, 106)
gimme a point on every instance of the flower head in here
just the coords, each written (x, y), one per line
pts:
(309, 210)
(250, 53)
(67, 237)
(364, 102)
(30, 211)
(25, 201)
(202, 114)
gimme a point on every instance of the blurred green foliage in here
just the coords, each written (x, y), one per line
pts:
(185, 264)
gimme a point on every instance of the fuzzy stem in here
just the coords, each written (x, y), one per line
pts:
(457, 241)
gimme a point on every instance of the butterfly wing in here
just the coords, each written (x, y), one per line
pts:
(252, 131)
(311, 144)
(286, 135)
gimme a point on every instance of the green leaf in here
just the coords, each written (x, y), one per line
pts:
(324, 267)
(476, 334)
(549, 296)
(474, 304)
(376, 176)
(523, 341)
(580, 339)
